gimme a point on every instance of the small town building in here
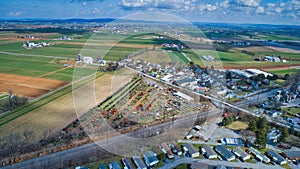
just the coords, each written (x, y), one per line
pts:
(233, 142)
(150, 158)
(225, 153)
(276, 157)
(241, 154)
(127, 163)
(209, 152)
(139, 162)
(291, 155)
(114, 165)
(258, 155)
(191, 150)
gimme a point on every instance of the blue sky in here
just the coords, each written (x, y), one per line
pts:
(232, 11)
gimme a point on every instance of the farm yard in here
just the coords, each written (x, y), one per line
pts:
(141, 102)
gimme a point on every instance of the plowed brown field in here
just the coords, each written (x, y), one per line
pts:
(27, 85)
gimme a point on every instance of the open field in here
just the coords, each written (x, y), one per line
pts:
(238, 125)
(27, 86)
(57, 110)
(268, 49)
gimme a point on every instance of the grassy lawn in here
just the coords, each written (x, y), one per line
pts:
(283, 72)
(280, 81)
(96, 165)
(182, 166)
(238, 125)
(292, 110)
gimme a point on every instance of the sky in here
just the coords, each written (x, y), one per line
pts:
(217, 11)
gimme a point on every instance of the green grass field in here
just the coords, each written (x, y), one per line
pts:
(283, 72)
(33, 66)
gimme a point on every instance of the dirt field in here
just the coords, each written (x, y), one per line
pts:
(57, 114)
(268, 49)
(27, 86)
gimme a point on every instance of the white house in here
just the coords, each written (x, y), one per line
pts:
(88, 60)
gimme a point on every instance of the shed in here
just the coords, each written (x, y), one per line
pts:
(225, 153)
(241, 153)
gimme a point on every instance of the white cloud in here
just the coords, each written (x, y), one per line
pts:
(95, 11)
(260, 10)
(182, 5)
(14, 14)
(207, 7)
(248, 3)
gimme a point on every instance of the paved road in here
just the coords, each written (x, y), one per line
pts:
(217, 162)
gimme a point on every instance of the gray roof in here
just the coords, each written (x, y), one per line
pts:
(191, 148)
(209, 150)
(224, 152)
(139, 162)
(273, 154)
(241, 152)
(292, 154)
(127, 163)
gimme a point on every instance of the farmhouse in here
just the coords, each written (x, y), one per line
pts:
(225, 153)
(150, 158)
(276, 157)
(209, 152)
(241, 153)
(191, 150)
(88, 60)
(139, 162)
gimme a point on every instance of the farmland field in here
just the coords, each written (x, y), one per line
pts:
(57, 110)
(27, 86)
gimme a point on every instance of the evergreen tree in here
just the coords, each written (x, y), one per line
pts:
(285, 134)
(253, 125)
